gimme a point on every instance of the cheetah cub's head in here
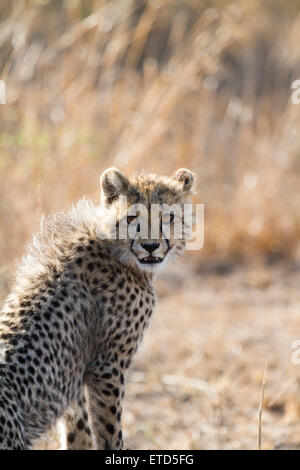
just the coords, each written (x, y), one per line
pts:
(147, 222)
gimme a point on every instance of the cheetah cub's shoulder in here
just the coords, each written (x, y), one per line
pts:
(82, 299)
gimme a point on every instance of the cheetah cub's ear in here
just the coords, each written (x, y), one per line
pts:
(186, 179)
(113, 184)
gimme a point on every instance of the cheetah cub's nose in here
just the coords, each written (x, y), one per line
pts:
(150, 247)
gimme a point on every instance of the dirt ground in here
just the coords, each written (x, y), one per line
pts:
(201, 388)
(196, 382)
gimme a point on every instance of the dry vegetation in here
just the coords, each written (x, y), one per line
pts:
(156, 85)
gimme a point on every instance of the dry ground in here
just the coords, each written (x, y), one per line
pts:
(196, 381)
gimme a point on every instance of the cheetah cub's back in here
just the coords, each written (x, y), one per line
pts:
(82, 299)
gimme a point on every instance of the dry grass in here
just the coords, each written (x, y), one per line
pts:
(157, 85)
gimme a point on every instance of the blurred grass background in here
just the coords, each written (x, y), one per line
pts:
(154, 85)
(157, 85)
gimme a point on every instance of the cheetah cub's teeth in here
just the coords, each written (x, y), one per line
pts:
(151, 260)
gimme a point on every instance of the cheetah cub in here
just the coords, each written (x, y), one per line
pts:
(82, 299)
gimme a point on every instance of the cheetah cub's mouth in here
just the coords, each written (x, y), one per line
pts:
(151, 260)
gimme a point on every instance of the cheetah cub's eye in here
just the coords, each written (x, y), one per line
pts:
(167, 218)
(131, 218)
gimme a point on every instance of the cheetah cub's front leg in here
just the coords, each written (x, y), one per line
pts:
(104, 401)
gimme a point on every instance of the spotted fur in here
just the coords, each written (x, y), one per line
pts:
(76, 314)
